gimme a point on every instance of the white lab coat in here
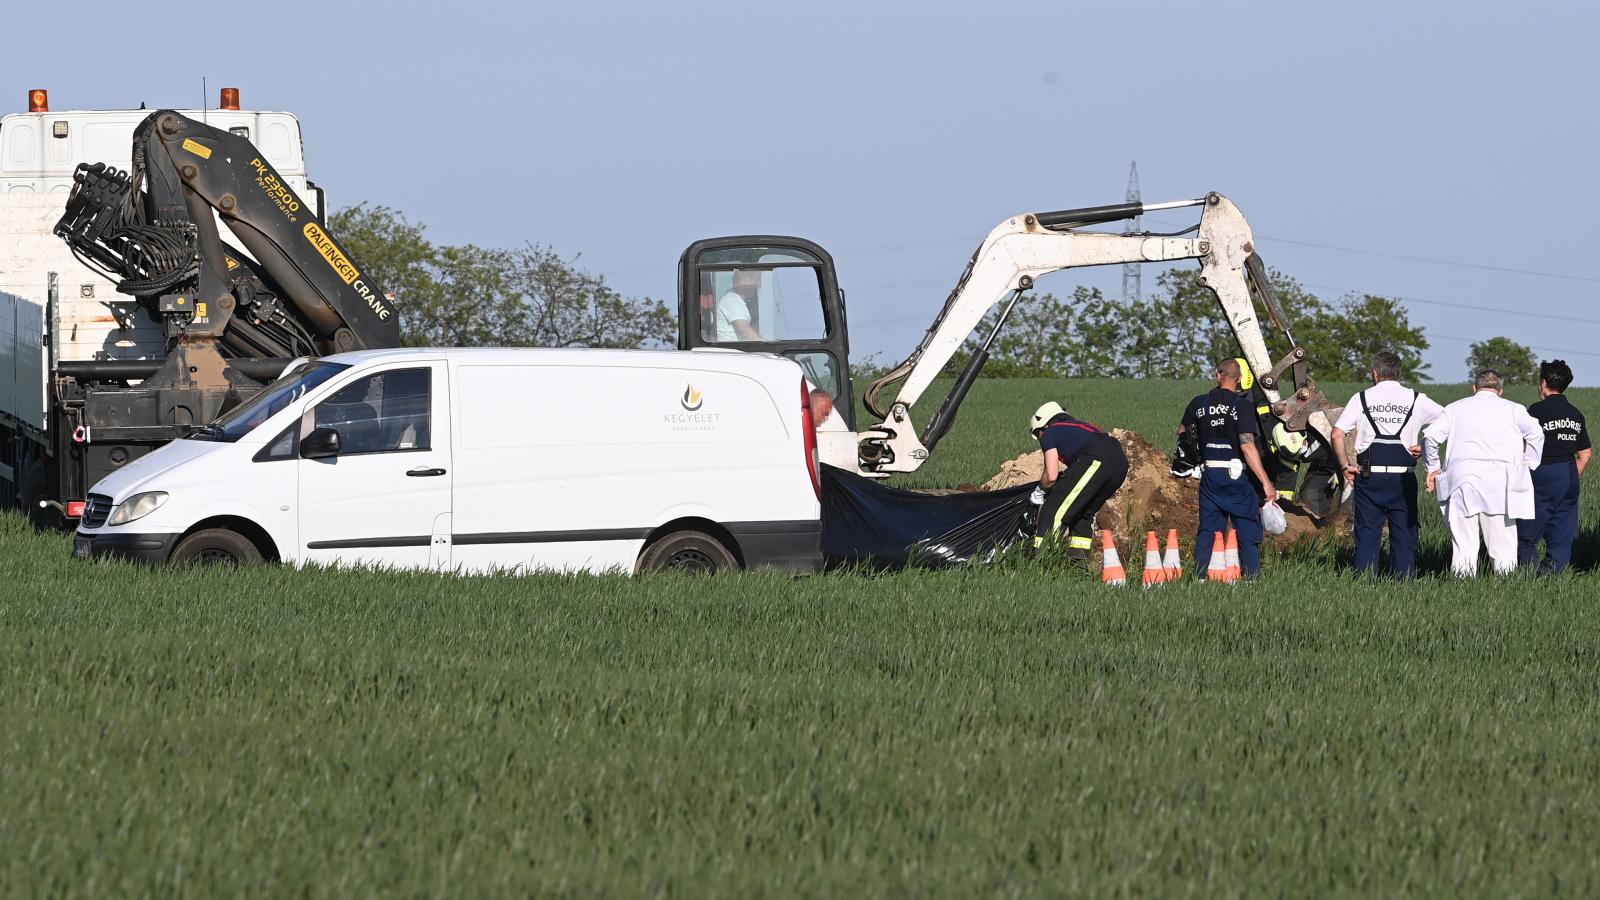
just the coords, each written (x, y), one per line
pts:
(1494, 445)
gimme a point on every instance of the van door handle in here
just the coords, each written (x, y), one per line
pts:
(424, 472)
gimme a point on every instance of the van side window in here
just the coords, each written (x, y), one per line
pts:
(282, 447)
(381, 413)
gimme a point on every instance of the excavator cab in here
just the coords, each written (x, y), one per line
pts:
(767, 293)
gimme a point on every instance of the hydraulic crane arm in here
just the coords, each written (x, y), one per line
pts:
(1021, 249)
(155, 229)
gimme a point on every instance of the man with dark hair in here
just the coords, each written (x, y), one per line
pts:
(1382, 464)
(1233, 482)
(1483, 481)
(1555, 482)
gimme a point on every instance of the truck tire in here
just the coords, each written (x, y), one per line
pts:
(689, 552)
(215, 547)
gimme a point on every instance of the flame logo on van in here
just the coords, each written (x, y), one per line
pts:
(691, 398)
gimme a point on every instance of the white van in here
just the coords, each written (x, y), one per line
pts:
(477, 460)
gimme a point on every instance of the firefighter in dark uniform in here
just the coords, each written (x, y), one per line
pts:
(1233, 481)
(1555, 482)
(1083, 468)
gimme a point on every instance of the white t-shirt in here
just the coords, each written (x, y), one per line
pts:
(730, 309)
(1388, 401)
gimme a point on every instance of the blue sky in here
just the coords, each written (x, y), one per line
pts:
(1447, 147)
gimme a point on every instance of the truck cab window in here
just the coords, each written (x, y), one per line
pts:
(381, 413)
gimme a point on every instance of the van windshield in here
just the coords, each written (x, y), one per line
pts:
(242, 419)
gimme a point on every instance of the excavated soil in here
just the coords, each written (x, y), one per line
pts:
(1152, 499)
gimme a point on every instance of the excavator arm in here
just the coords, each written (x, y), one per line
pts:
(1020, 250)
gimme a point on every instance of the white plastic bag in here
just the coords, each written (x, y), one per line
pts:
(1273, 519)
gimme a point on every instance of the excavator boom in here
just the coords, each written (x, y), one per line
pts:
(1022, 249)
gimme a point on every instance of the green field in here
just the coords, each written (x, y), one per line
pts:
(1010, 732)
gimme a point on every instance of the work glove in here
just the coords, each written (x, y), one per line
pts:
(1037, 497)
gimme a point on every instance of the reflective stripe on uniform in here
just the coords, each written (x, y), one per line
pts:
(1391, 470)
(1080, 543)
(1061, 511)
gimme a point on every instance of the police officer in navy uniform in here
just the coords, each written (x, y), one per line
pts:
(1387, 419)
(1555, 482)
(1233, 482)
(1083, 468)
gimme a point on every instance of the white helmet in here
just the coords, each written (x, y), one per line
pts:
(1043, 415)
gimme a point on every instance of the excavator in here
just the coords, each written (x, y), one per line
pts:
(797, 309)
(232, 320)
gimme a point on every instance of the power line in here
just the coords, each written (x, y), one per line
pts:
(1408, 258)
(1439, 262)
(1454, 305)
(1553, 350)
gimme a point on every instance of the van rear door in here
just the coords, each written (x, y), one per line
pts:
(384, 498)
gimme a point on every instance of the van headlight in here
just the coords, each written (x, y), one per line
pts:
(137, 507)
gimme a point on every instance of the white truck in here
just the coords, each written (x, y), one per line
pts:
(93, 377)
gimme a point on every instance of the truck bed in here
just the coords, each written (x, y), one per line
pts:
(22, 361)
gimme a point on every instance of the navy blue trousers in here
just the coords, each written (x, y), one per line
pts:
(1555, 518)
(1388, 499)
(1223, 500)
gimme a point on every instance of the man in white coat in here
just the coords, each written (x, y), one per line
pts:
(1484, 484)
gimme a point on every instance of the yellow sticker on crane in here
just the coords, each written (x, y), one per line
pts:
(330, 252)
(197, 148)
(200, 310)
(232, 263)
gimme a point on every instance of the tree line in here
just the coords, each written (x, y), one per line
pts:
(471, 296)
(467, 295)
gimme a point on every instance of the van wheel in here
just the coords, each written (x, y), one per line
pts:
(215, 547)
(690, 552)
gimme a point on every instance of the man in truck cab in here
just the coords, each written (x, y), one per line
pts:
(1083, 468)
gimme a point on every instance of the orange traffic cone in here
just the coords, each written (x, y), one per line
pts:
(1233, 555)
(1111, 571)
(1217, 568)
(1173, 562)
(1154, 572)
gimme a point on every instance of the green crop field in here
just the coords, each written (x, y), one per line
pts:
(1015, 731)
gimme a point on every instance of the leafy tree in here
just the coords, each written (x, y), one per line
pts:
(1516, 363)
(1340, 338)
(464, 296)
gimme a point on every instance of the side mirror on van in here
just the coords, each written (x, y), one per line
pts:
(321, 443)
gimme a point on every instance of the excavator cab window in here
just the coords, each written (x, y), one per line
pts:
(750, 295)
(769, 294)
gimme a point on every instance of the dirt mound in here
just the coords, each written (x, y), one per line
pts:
(1152, 499)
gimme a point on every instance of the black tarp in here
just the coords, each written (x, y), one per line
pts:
(867, 522)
